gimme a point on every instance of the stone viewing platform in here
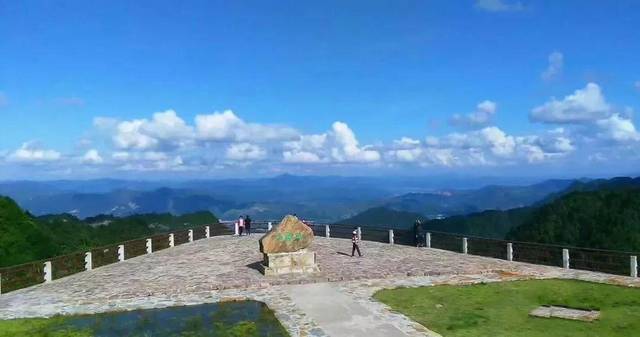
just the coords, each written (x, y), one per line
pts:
(228, 268)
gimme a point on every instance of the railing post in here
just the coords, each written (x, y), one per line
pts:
(149, 246)
(509, 251)
(171, 240)
(269, 226)
(48, 272)
(191, 235)
(236, 229)
(327, 231)
(121, 253)
(360, 233)
(427, 238)
(465, 246)
(391, 236)
(207, 232)
(565, 258)
(88, 261)
(634, 266)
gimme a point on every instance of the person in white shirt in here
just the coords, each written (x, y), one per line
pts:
(240, 225)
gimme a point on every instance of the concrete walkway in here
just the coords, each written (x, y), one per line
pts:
(338, 314)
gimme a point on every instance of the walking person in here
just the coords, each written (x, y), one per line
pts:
(355, 240)
(247, 224)
(240, 225)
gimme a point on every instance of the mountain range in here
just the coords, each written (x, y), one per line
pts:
(321, 198)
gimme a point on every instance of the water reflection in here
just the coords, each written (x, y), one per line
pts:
(228, 319)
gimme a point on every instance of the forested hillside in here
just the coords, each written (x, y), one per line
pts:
(26, 238)
(22, 238)
(606, 219)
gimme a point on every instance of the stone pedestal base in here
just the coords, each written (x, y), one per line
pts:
(302, 261)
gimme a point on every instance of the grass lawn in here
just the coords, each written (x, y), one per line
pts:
(502, 309)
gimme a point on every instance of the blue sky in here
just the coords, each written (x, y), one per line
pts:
(244, 88)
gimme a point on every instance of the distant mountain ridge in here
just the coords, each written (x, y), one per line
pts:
(458, 202)
(384, 217)
(322, 198)
(125, 202)
(329, 198)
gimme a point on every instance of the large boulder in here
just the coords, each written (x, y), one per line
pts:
(291, 235)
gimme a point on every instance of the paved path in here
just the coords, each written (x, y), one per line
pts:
(338, 314)
(225, 268)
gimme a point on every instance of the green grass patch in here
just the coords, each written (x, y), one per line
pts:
(502, 309)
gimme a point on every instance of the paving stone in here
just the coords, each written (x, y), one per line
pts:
(565, 313)
(210, 270)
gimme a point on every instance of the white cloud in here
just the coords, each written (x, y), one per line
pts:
(483, 114)
(431, 141)
(618, 128)
(499, 5)
(168, 126)
(301, 157)
(637, 85)
(556, 62)
(488, 146)
(491, 138)
(585, 105)
(533, 153)
(245, 152)
(148, 161)
(164, 130)
(562, 145)
(227, 126)
(307, 142)
(538, 148)
(130, 135)
(407, 155)
(31, 152)
(406, 142)
(337, 145)
(500, 143)
(443, 157)
(425, 156)
(92, 157)
(347, 148)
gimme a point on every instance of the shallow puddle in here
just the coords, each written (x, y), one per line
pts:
(242, 318)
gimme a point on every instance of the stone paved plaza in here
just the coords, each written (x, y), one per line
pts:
(226, 268)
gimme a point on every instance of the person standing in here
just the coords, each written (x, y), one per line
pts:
(416, 232)
(355, 240)
(240, 225)
(247, 224)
